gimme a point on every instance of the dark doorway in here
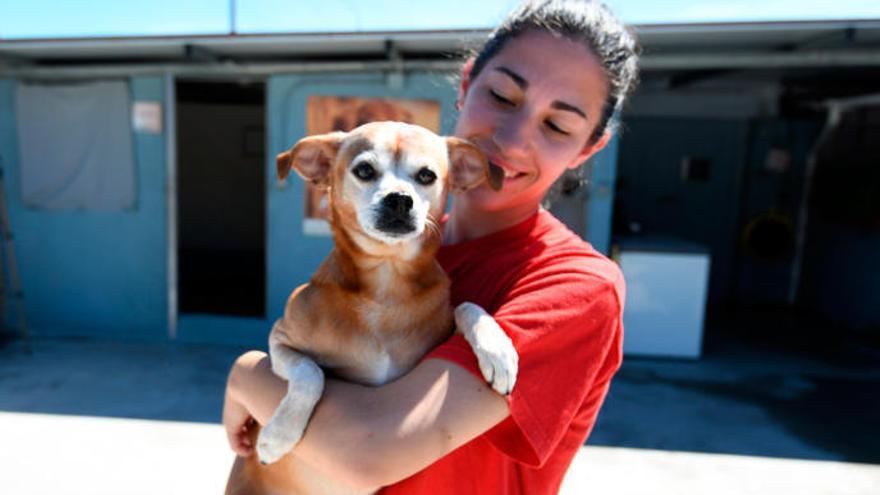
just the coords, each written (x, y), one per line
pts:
(221, 198)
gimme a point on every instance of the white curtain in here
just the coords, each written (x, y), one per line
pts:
(75, 144)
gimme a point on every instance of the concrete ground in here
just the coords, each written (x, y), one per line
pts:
(98, 417)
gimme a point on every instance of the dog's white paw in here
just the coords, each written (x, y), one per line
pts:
(286, 428)
(498, 359)
(499, 362)
(278, 438)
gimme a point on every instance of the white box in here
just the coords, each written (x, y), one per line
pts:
(665, 302)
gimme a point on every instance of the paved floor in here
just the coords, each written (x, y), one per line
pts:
(85, 455)
(87, 417)
(747, 402)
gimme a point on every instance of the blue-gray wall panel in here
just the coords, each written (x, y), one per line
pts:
(93, 273)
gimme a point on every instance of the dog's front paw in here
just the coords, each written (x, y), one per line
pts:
(276, 440)
(498, 359)
(286, 428)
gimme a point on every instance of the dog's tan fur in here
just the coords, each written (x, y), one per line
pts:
(373, 308)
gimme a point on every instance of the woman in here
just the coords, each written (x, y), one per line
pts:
(538, 99)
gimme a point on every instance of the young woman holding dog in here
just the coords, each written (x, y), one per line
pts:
(538, 99)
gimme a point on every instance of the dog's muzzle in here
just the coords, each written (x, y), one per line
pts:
(395, 214)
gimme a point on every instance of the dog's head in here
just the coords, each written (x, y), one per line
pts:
(388, 180)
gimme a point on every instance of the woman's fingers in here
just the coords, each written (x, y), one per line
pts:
(238, 424)
(244, 447)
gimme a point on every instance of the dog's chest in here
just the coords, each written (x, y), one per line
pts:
(389, 306)
(381, 368)
(390, 343)
(372, 363)
(375, 335)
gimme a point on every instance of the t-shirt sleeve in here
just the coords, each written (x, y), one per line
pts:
(565, 322)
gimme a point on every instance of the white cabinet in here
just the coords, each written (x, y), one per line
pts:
(666, 286)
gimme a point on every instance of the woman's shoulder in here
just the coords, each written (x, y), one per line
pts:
(567, 250)
(565, 270)
(541, 257)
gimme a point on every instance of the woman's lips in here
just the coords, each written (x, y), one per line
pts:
(508, 173)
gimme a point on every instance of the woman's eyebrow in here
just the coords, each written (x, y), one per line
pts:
(561, 105)
(518, 79)
(523, 84)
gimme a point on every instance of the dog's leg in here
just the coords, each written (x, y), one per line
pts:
(305, 384)
(498, 358)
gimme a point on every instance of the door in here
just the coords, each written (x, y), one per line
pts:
(221, 197)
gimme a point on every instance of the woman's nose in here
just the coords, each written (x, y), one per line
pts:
(512, 134)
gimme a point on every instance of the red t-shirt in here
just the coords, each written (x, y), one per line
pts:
(561, 303)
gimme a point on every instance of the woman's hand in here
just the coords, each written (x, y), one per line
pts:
(237, 418)
(238, 423)
(253, 392)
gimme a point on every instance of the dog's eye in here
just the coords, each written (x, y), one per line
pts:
(425, 177)
(364, 171)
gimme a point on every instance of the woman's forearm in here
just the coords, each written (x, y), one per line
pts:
(378, 436)
(253, 384)
(370, 437)
(336, 435)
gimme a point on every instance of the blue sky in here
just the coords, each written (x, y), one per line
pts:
(74, 18)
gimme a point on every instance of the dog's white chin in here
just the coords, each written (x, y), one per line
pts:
(394, 238)
(367, 221)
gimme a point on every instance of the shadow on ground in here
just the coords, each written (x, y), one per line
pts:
(180, 382)
(795, 395)
(781, 388)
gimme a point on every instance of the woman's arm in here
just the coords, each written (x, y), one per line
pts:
(371, 437)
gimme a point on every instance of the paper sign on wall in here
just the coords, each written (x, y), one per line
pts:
(146, 116)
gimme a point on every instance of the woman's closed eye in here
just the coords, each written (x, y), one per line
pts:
(555, 128)
(500, 98)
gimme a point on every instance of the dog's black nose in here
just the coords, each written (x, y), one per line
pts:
(398, 203)
(395, 214)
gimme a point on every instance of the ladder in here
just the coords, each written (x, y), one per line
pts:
(12, 267)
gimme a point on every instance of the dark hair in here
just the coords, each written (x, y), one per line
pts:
(583, 21)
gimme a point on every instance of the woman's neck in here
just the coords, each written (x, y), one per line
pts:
(466, 223)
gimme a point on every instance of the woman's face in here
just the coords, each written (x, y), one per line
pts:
(531, 110)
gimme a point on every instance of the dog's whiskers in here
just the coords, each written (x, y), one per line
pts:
(433, 227)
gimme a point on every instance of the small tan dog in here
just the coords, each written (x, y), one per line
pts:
(380, 300)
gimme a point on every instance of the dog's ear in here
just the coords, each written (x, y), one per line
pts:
(468, 167)
(311, 157)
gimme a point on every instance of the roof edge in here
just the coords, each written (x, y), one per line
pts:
(644, 27)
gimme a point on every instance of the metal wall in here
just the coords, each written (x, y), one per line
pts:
(93, 273)
(107, 274)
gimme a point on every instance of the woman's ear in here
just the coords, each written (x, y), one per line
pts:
(465, 82)
(591, 149)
